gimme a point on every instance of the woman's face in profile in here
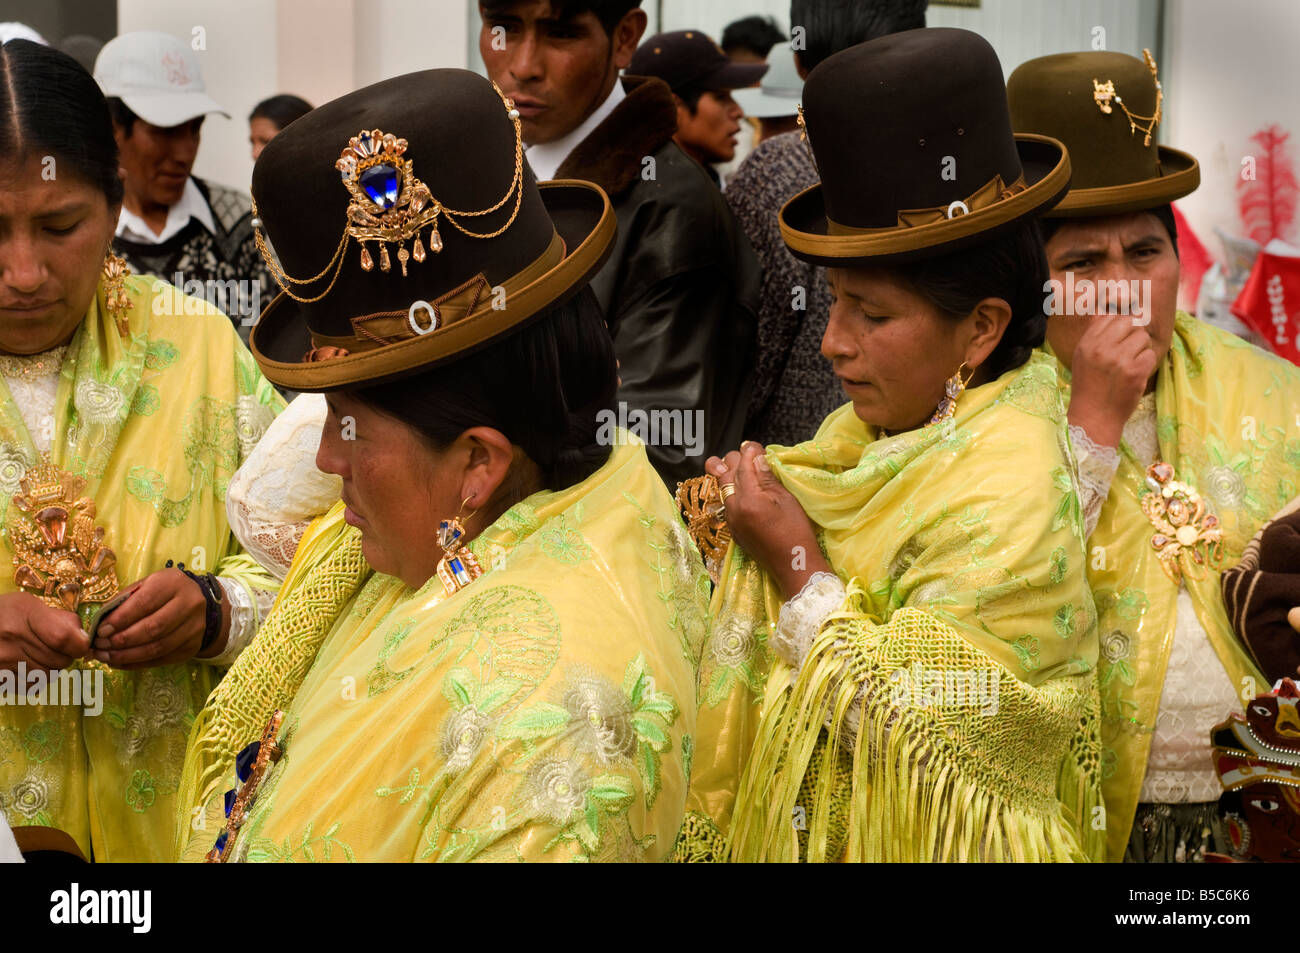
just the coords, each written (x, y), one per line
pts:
(395, 487)
(55, 229)
(891, 349)
(260, 131)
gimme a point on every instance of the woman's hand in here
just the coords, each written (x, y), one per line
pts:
(1112, 364)
(766, 521)
(160, 623)
(34, 633)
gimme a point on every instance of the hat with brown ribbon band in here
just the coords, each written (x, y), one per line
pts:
(912, 139)
(1107, 108)
(408, 230)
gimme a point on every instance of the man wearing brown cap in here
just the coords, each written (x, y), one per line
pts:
(680, 289)
(701, 78)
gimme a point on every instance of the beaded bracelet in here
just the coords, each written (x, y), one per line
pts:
(212, 594)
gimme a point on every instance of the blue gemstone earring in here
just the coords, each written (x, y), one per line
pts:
(458, 566)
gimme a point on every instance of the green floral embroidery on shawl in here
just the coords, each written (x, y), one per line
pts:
(381, 677)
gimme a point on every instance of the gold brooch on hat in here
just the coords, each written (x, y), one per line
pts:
(1103, 94)
(390, 205)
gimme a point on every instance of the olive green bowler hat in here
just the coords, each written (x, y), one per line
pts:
(1106, 108)
(409, 231)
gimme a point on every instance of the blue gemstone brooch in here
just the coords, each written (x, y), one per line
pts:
(389, 204)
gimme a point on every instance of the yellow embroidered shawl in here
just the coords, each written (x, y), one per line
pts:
(545, 712)
(963, 546)
(157, 424)
(1226, 418)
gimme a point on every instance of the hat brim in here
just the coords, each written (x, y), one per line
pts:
(172, 109)
(760, 104)
(1180, 175)
(584, 220)
(731, 76)
(806, 230)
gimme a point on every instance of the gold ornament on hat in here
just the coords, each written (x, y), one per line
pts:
(1187, 538)
(390, 205)
(59, 552)
(1103, 94)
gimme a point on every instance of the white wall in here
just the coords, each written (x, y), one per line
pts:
(1017, 29)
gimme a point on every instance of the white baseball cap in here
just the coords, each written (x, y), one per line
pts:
(157, 76)
(782, 87)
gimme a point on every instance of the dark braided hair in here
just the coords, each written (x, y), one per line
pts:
(542, 386)
(1011, 266)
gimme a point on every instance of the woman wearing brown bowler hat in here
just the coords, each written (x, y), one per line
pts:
(1183, 435)
(901, 663)
(487, 649)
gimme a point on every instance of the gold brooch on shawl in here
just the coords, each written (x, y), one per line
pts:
(251, 766)
(59, 552)
(1188, 538)
(700, 500)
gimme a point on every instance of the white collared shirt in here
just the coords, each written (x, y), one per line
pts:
(191, 205)
(548, 156)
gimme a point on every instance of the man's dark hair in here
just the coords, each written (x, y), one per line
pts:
(756, 34)
(50, 106)
(690, 97)
(281, 110)
(122, 115)
(833, 25)
(1011, 266)
(608, 12)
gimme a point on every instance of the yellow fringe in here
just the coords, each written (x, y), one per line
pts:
(268, 673)
(915, 796)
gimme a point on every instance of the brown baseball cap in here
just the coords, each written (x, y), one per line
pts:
(686, 59)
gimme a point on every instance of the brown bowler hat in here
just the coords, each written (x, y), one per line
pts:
(911, 135)
(409, 231)
(1106, 108)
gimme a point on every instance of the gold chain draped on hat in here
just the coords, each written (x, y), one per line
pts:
(389, 204)
(1103, 94)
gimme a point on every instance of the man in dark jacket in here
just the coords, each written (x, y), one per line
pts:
(680, 289)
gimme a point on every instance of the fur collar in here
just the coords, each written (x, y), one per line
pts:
(639, 125)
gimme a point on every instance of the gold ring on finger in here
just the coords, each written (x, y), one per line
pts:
(727, 490)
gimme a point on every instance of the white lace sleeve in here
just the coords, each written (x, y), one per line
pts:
(1097, 466)
(278, 491)
(248, 607)
(802, 616)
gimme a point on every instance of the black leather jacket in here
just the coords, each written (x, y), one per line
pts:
(680, 289)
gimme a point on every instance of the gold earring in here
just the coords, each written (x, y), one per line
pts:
(952, 389)
(116, 301)
(458, 566)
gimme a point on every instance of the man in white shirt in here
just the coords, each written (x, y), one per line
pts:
(194, 234)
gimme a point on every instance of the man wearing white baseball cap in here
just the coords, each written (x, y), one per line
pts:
(174, 225)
